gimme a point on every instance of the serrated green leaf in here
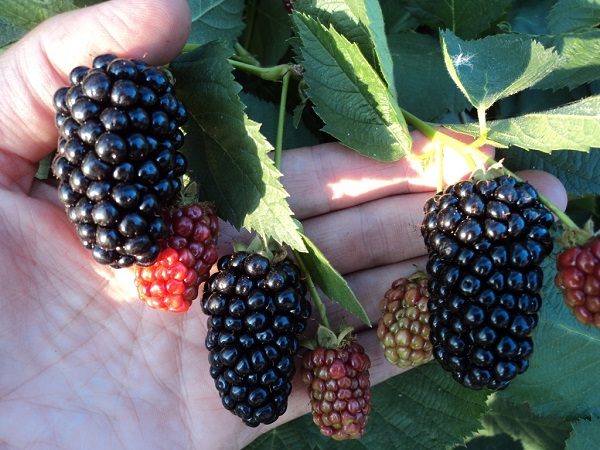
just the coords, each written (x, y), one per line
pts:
(571, 15)
(361, 22)
(423, 408)
(348, 95)
(579, 60)
(227, 154)
(271, 31)
(494, 67)
(27, 14)
(466, 18)
(9, 33)
(330, 281)
(216, 19)
(517, 420)
(585, 435)
(572, 127)
(577, 171)
(266, 113)
(562, 379)
(423, 85)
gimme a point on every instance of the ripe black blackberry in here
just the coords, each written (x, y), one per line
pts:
(117, 161)
(257, 311)
(486, 240)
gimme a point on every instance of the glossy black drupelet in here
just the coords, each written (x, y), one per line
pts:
(486, 240)
(117, 161)
(257, 311)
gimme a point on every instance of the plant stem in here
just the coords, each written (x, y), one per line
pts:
(316, 298)
(482, 124)
(468, 151)
(245, 56)
(273, 73)
(281, 120)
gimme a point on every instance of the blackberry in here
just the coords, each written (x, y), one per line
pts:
(257, 310)
(486, 240)
(117, 161)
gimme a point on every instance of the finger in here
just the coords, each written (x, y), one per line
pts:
(387, 231)
(331, 177)
(37, 65)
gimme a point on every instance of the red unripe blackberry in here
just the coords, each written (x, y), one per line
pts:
(339, 389)
(289, 5)
(486, 240)
(171, 282)
(579, 279)
(117, 161)
(403, 329)
(257, 309)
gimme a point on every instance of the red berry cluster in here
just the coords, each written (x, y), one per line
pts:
(339, 390)
(579, 278)
(171, 283)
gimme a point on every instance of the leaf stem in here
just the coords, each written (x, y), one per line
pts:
(281, 120)
(469, 150)
(244, 55)
(316, 298)
(482, 125)
(273, 73)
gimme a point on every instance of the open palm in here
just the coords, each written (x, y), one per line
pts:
(84, 363)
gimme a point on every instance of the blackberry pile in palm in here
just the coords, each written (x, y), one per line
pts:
(486, 240)
(117, 160)
(257, 310)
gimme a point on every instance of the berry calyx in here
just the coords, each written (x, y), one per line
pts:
(171, 282)
(578, 277)
(403, 328)
(339, 389)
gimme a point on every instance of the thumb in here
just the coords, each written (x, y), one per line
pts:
(35, 67)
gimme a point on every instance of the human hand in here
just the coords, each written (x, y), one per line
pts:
(84, 363)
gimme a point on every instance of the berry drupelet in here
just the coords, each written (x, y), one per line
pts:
(117, 161)
(486, 240)
(257, 309)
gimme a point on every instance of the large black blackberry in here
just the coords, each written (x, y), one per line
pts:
(117, 161)
(486, 240)
(257, 311)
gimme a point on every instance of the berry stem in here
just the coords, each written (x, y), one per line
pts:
(281, 120)
(244, 55)
(482, 126)
(273, 73)
(316, 298)
(469, 150)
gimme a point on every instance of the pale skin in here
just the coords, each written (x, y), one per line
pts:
(84, 363)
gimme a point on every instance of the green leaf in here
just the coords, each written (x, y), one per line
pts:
(577, 171)
(517, 420)
(330, 281)
(423, 408)
(579, 60)
(571, 15)
(562, 379)
(466, 18)
(361, 22)
(348, 95)
(529, 16)
(227, 154)
(494, 67)
(267, 113)
(572, 127)
(585, 435)
(496, 442)
(9, 33)
(271, 31)
(216, 19)
(421, 77)
(27, 14)
(82, 3)
(397, 19)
